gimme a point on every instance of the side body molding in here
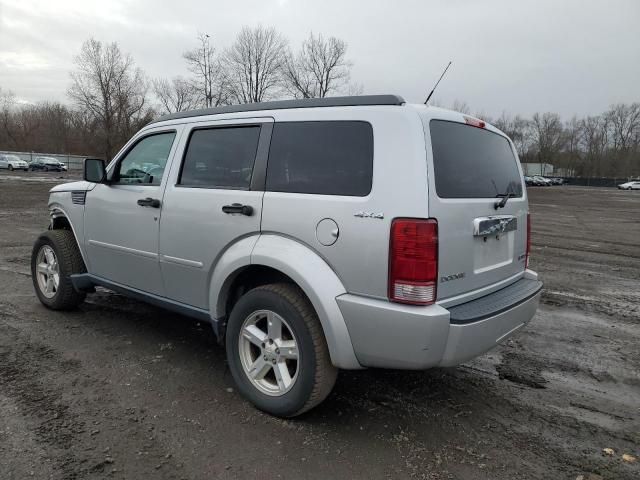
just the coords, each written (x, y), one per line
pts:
(303, 266)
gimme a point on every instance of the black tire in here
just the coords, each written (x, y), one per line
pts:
(10, 168)
(69, 260)
(316, 373)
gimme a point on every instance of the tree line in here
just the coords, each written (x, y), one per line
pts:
(111, 98)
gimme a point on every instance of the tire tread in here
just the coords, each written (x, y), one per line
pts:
(70, 262)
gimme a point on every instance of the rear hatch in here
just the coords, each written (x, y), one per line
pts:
(471, 169)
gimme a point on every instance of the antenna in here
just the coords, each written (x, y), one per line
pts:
(436, 85)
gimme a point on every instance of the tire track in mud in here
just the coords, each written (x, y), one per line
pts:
(74, 420)
(23, 368)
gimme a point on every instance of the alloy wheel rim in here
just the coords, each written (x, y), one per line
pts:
(269, 352)
(47, 271)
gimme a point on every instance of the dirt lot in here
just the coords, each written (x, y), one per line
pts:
(119, 389)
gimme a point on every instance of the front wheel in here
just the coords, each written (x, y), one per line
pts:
(10, 168)
(55, 257)
(277, 352)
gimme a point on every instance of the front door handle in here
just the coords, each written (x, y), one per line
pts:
(238, 208)
(149, 202)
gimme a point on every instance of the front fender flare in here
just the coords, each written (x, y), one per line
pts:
(58, 210)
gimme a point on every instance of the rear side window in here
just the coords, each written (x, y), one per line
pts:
(328, 158)
(220, 157)
(471, 162)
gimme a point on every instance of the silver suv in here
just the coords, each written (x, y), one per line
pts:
(313, 235)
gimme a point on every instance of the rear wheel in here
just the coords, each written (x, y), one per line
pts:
(277, 352)
(54, 258)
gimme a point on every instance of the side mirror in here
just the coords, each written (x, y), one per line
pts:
(94, 170)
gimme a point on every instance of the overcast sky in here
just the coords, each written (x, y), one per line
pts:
(568, 56)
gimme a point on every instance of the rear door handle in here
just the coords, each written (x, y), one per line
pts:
(238, 208)
(149, 202)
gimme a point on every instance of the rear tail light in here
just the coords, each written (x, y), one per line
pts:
(528, 250)
(413, 261)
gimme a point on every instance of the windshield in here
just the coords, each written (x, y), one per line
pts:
(471, 162)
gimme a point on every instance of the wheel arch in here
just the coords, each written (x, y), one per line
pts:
(60, 220)
(272, 259)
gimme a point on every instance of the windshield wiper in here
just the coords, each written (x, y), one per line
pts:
(505, 198)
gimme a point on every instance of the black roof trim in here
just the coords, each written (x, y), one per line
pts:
(360, 100)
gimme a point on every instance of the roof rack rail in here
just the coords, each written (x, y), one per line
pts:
(357, 100)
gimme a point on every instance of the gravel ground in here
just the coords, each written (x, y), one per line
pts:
(120, 389)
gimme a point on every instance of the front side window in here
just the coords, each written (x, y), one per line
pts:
(146, 161)
(221, 157)
(328, 158)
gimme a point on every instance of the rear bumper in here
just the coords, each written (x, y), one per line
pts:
(391, 335)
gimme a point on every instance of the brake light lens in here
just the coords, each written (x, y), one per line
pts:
(528, 250)
(474, 122)
(413, 261)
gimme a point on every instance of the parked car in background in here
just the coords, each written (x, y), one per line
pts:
(378, 234)
(542, 181)
(47, 164)
(13, 162)
(528, 181)
(635, 185)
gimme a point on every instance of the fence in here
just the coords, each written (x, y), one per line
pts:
(73, 162)
(596, 182)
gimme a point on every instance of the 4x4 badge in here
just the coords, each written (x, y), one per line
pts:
(362, 214)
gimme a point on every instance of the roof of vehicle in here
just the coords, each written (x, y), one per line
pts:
(351, 101)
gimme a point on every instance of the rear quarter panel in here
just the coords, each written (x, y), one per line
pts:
(360, 255)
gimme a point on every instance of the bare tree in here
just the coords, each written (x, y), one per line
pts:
(547, 136)
(572, 158)
(461, 106)
(175, 95)
(112, 90)
(595, 139)
(517, 129)
(7, 102)
(254, 64)
(209, 80)
(624, 125)
(354, 88)
(318, 69)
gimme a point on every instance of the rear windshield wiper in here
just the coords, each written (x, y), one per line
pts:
(505, 198)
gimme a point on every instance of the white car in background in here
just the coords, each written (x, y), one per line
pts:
(13, 162)
(630, 186)
(543, 181)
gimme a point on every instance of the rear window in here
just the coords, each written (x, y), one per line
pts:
(330, 158)
(471, 162)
